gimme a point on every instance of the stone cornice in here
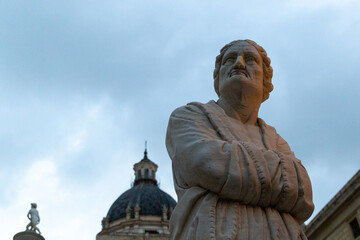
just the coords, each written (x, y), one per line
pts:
(351, 188)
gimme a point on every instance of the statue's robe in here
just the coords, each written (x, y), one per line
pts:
(229, 187)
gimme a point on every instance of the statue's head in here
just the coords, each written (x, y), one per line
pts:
(33, 205)
(248, 58)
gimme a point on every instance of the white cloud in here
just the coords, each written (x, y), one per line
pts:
(39, 183)
(64, 208)
(72, 190)
(76, 140)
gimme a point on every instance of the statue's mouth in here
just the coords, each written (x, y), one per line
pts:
(237, 72)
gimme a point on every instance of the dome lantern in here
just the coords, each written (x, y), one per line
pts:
(145, 171)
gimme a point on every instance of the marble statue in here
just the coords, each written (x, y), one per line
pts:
(235, 176)
(33, 216)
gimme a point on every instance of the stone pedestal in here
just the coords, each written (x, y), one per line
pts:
(28, 235)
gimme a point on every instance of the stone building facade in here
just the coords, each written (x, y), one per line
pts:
(142, 212)
(340, 218)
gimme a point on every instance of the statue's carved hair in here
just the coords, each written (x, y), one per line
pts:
(267, 69)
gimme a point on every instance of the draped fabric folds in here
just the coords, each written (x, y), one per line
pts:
(230, 187)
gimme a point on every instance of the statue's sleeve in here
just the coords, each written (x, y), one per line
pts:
(303, 205)
(236, 170)
(201, 158)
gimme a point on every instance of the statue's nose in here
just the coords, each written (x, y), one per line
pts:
(240, 62)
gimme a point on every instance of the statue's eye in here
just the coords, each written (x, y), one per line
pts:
(250, 59)
(228, 60)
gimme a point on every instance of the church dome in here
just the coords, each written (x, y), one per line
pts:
(149, 197)
(145, 198)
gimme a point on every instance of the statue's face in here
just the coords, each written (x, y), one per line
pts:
(241, 71)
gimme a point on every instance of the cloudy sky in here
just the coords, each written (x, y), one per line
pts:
(84, 83)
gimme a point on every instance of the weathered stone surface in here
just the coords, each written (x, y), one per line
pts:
(235, 177)
(28, 235)
(333, 222)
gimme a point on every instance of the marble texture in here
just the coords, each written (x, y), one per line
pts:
(235, 176)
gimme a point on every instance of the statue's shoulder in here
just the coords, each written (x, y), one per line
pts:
(190, 109)
(266, 126)
(280, 144)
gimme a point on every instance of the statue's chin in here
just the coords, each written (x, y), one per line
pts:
(241, 88)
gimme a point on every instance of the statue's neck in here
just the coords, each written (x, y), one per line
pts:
(243, 109)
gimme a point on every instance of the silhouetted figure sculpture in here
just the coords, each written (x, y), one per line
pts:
(33, 216)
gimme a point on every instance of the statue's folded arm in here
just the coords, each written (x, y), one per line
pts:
(200, 157)
(234, 170)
